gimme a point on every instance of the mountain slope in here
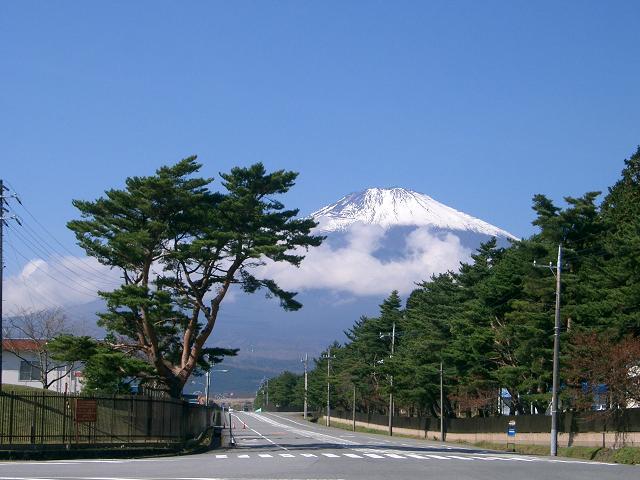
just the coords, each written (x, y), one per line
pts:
(391, 207)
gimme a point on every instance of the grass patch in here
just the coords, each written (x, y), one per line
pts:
(22, 389)
(625, 455)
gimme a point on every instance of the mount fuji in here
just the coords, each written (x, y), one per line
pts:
(377, 240)
(393, 207)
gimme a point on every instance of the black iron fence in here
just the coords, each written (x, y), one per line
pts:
(627, 420)
(79, 420)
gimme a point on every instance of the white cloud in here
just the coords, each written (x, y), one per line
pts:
(354, 268)
(57, 282)
(351, 269)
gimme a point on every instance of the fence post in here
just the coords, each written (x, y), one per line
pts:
(11, 417)
(64, 416)
(32, 438)
(42, 409)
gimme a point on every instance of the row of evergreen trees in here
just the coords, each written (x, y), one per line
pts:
(491, 323)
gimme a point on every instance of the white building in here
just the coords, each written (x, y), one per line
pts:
(20, 366)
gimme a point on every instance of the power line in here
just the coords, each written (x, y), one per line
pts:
(90, 294)
(95, 270)
(39, 251)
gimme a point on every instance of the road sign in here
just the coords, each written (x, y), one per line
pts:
(86, 410)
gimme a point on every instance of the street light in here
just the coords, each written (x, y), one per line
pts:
(208, 382)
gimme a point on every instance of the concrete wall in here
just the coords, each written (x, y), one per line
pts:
(586, 439)
(11, 374)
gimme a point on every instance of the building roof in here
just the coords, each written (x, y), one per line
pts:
(22, 344)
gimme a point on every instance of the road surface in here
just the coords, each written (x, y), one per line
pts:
(283, 446)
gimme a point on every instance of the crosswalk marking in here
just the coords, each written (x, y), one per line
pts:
(413, 455)
(393, 455)
(390, 454)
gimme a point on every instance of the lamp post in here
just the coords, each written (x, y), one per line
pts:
(208, 383)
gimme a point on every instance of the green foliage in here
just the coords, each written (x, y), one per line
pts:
(179, 248)
(491, 323)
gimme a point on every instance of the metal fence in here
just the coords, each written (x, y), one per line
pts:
(627, 420)
(77, 420)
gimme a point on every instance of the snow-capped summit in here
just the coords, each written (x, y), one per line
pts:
(390, 207)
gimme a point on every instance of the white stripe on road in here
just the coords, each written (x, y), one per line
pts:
(413, 455)
(286, 455)
(267, 439)
(265, 455)
(393, 455)
(373, 455)
(331, 455)
(352, 455)
(439, 457)
(308, 455)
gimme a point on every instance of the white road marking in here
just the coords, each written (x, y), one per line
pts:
(305, 433)
(331, 455)
(394, 455)
(413, 455)
(352, 455)
(265, 455)
(439, 457)
(243, 456)
(286, 455)
(267, 439)
(308, 455)
(460, 458)
(221, 456)
(373, 455)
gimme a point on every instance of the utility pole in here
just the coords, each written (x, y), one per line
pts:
(328, 356)
(3, 223)
(441, 404)
(393, 342)
(556, 360)
(556, 354)
(306, 383)
(353, 412)
(206, 388)
(267, 404)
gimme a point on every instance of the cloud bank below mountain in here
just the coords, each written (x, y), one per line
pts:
(354, 267)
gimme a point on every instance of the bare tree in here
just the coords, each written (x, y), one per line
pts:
(37, 328)
(598, 361)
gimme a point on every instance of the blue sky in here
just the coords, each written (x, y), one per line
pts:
(478, 104)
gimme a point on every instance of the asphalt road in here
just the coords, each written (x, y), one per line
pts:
(283, 446)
